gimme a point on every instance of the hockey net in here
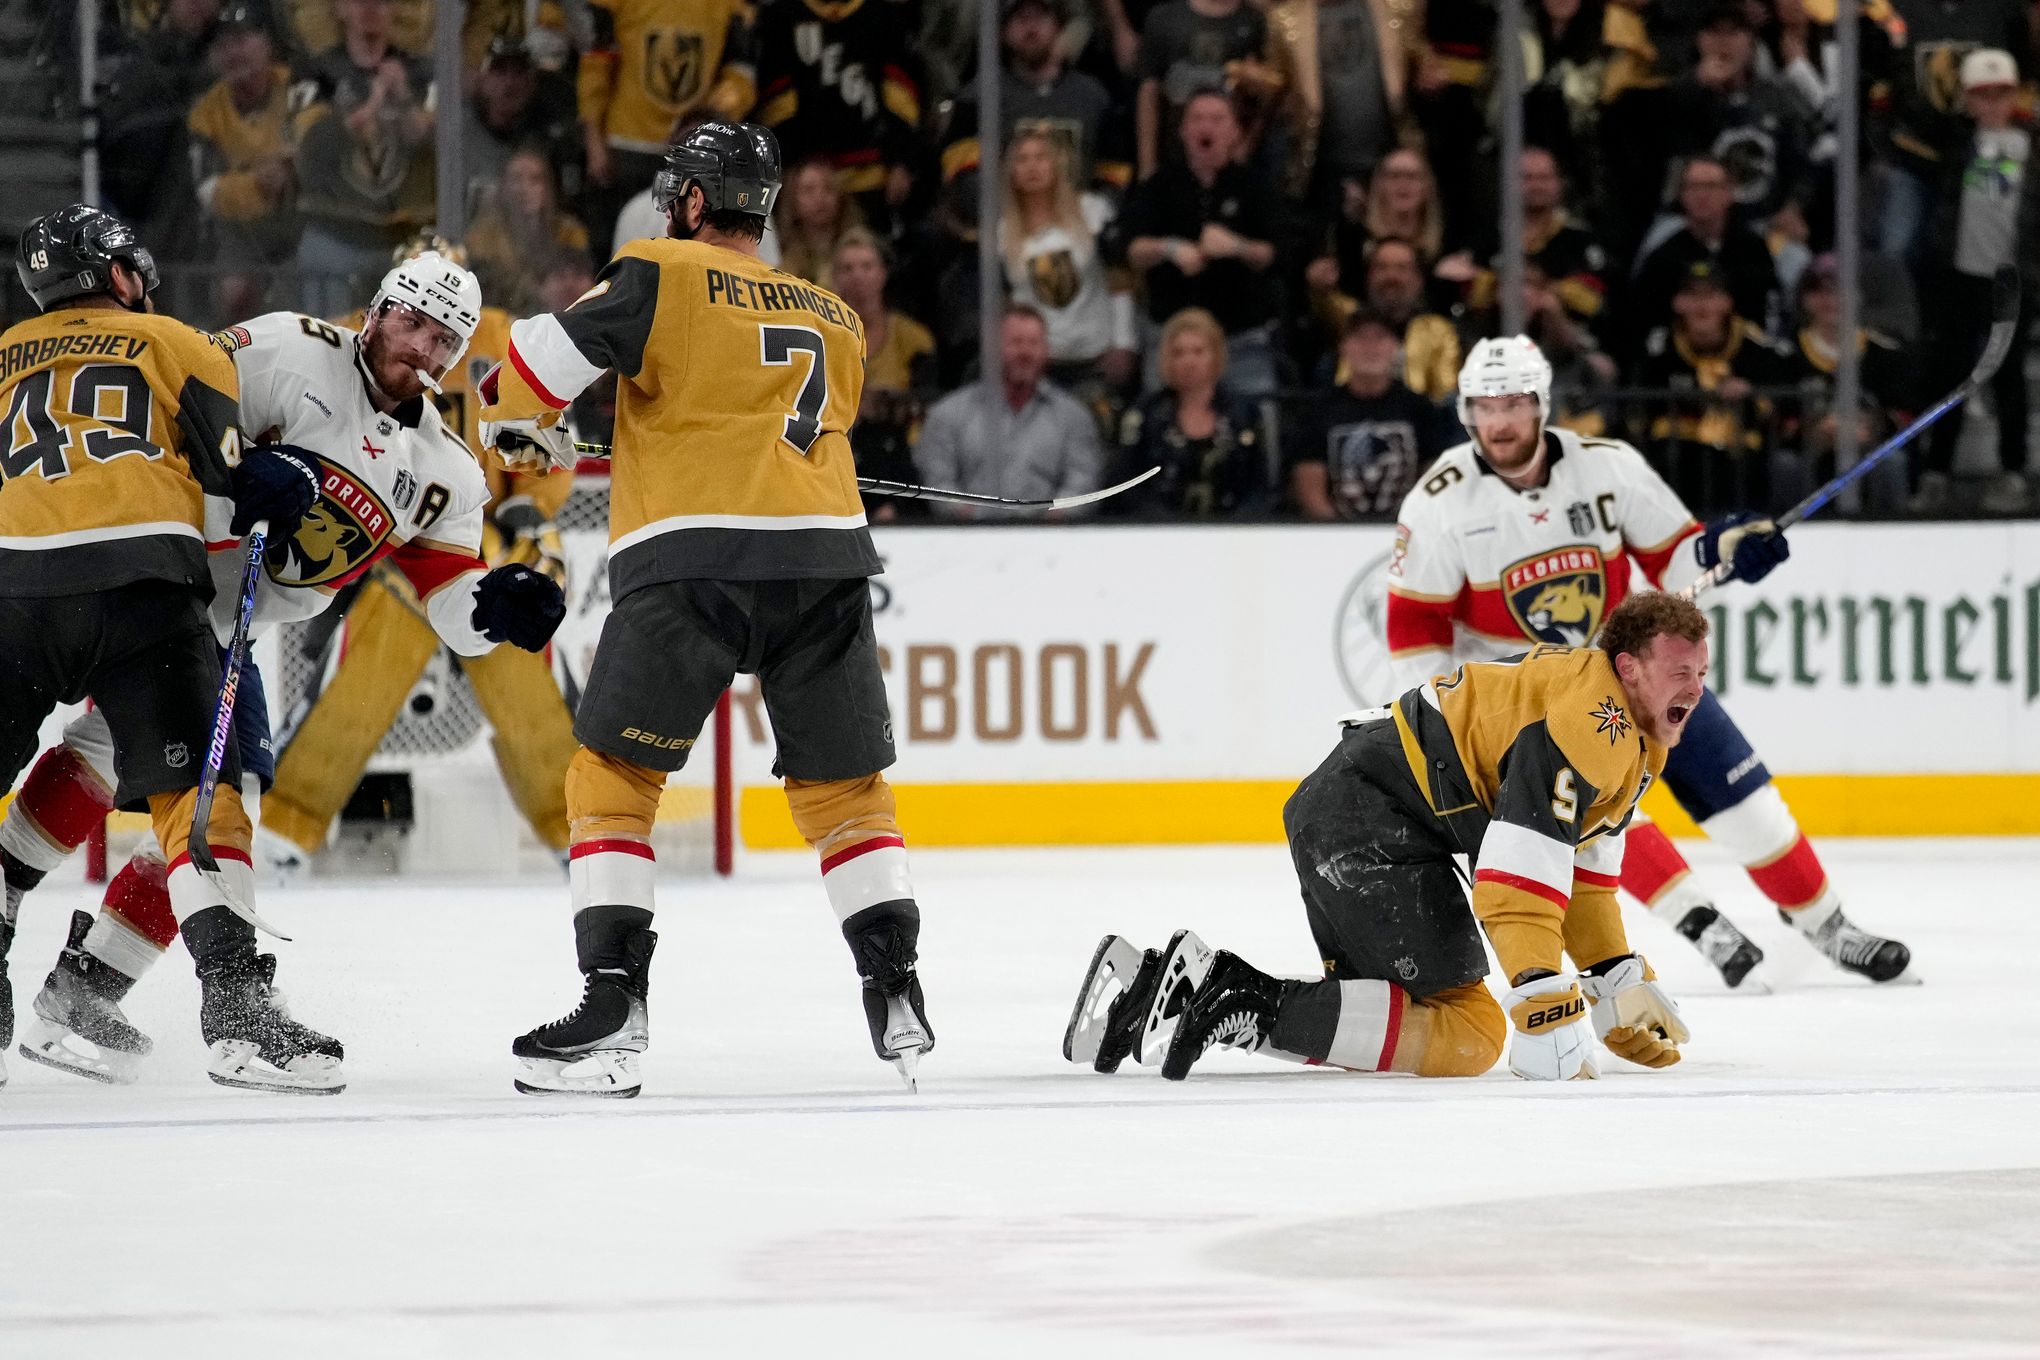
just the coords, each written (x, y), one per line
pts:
(460, 817)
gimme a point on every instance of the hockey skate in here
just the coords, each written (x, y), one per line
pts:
(1186, 962)
(252, 1041)
(1112, 1005)
(1234, 1007)
(1723, 944)
(78, 1025)
(885, 942)
(6, 994)
(593, 1050)
(1854, 950)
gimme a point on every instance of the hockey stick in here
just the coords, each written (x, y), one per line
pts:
(2004, 314)
(199, 844)
(907, 491)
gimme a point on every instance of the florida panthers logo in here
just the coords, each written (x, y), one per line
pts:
(341, 533)
(1558, 597)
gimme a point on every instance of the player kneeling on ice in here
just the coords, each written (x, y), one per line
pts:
(1532, 768)
(380, 477)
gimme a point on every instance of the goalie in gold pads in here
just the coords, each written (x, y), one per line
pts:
(1531, 768)
(737, 544)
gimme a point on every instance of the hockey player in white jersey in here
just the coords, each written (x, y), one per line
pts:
(394, 482)
(1528, 533)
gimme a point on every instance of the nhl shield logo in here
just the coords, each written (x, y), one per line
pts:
(342, 532)
(1558, 597)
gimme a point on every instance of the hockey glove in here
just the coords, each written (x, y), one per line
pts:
(515, 604)
(530, 444)
(529, 537)
(1750, 546)
(1632, 1014)
(275, 482)
(1550, 1019)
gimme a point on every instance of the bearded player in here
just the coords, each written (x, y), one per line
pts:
(394, 484)
(737, 544)
(390, 642)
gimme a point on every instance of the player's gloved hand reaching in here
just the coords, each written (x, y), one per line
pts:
(276, 482)
(1634, 1016)
(530, 538)
(530, 444)
(517, 605)
(1751, 546)
(1549, 1017)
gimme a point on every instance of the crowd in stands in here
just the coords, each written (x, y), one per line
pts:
(1245, 241)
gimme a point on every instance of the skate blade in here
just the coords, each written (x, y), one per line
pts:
(1109, 977)
(239, 1064)
(1185, 965)
(610, 1073)
(905, 1061)
(48, 1044)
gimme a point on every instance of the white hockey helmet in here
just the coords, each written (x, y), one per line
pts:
(433, 285)
(1504, 367)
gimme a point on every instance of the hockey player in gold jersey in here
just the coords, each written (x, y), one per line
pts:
(120, 425)
(1531, 768)
(737, 544)
(389, 642)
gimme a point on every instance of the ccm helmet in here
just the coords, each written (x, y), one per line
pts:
(736, 165)
(70, 253)
(437, 287)
(1504, 367)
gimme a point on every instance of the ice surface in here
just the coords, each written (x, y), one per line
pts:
(1835, 1170)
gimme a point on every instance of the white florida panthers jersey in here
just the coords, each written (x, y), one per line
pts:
(1482, 570)
(399, 485)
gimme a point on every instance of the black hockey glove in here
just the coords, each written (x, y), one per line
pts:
(1751, 546)
(517, 605)
(275, 482)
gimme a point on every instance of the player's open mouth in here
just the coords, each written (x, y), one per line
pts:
(1676, 714)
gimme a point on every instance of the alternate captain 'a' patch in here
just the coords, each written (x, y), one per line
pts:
(1612, 720)
(343, 531)
(1558, 596)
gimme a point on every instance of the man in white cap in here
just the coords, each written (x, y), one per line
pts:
(1988, 217)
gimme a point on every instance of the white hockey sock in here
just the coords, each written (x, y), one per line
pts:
(865, 874)
(1681, 897)
(611, 872)
(121, 947)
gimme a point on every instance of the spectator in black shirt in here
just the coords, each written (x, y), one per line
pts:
(1199, 232)
(1187, 47)
(1710, 435)
(1756, 124)
(1354, 452)
(1038, 92)
(1888, 392)
(1710, 234)
(1207, 441)
(515, 104)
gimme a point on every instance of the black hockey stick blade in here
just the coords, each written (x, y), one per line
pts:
(907, 491)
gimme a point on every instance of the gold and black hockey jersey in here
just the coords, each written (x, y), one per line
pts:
(737, 384)
(1534, 767)
(654, 61)
(117, 425)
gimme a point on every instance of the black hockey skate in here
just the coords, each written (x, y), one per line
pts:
(1112, 1005)
(1854, 950)
(593, 1050)
(884, 940)
(253, 1043)
(78, 1026)
(1234, 1007)
(1722, 944)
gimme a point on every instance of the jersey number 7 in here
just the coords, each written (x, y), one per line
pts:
(776, 348)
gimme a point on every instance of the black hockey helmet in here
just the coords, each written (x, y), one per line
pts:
(70, 253)
(736, 165)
